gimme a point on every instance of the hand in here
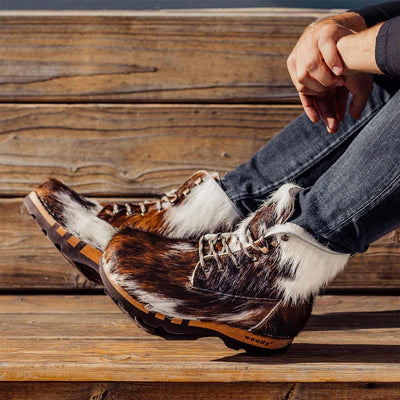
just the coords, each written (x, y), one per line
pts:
(360, 85)
(315, 68)
(359, 66)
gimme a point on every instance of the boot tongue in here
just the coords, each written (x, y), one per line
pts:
(270, 214)
(262, 220)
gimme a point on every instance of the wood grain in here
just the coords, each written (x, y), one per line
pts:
(216, 56)
(28, 261)
(197, 391)
(348, 339)
(128, 150)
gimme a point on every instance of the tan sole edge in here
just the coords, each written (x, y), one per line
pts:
(73, 243)
(237, 334)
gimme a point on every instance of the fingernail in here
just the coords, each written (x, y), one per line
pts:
(336, 70)
(330, 130)
(330, 124)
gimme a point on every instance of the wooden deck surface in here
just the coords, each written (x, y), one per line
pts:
(86, 338)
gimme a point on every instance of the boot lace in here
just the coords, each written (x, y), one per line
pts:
(169, 198)
(230, 240)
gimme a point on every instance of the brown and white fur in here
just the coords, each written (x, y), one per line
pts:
(198, 206)
(270, 293)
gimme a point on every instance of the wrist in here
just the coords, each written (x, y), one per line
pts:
(350, 20)
(357, 51)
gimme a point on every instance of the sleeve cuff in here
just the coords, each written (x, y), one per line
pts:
(387, 48)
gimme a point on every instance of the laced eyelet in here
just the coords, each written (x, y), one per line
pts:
(206, 270)
(198, 181)
(115, 209)
(265, 250)
(186, 192)
(274, 243)
(143, 209)
(128, 209)
(173, 198)
(252, 249)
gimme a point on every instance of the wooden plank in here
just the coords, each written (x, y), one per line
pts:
(39, 316)
(348, 339)
(128, 149)
(28, 261)
(215, 56)
(197, 391)
(101, 304)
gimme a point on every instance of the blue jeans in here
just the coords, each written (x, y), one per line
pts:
(351, 179)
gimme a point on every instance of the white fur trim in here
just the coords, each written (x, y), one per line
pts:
(281, 199)
(311, 264)
(84, 223)
(206, 209)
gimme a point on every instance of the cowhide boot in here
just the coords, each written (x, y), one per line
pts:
(81, 228)
(253, 287)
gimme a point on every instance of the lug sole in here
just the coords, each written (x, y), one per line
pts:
(81, 255)
(177, 328)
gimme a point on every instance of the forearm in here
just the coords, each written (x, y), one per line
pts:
(358, 51)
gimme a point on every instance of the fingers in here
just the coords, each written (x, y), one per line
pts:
(327, 111)
(358, 104)
(315, 68)
(342, 95)
(302, 80)
(309, 107)
(329, 52)
(323, 75)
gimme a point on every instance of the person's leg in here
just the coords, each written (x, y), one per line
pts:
(357, 200)
(301, 152)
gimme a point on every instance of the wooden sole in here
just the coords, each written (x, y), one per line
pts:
(177, 328)
(80, 254)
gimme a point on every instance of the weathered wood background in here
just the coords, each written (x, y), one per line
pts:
(211, 57)
(126, 105)
(119, 149)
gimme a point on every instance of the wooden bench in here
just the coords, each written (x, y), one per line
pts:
(127, 105)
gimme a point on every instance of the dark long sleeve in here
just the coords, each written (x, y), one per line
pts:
(379, 12)
(387, 46)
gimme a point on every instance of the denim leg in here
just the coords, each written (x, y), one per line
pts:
(357, 200)
(300, 153)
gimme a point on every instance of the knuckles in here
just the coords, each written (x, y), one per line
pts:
(311, 64)
(290, 62)
(302, 77)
